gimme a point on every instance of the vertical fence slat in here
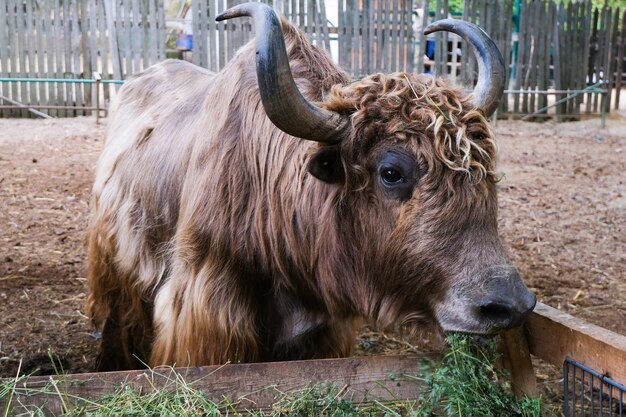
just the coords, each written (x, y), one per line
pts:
(49, 40)
(22, 48)
(30, 44)
(380, 37)
(136, 37)
(58, 58)
(421, 50)
(620, 61)
(78, 54)
(91, 14)
(592, 57)
(40, 39)
(4, 59)
(67, 56)
(584, 65)
(152, 43)
(104, 44)
(14, 47)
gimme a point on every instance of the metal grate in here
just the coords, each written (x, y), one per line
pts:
(589, 393)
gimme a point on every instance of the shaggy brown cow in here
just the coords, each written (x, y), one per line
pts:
(219, 234)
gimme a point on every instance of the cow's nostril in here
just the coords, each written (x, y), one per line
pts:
(500, 314)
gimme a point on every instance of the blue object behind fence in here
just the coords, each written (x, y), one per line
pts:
(184, 42)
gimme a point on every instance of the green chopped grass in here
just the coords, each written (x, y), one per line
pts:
(466, 383)
(463, 383)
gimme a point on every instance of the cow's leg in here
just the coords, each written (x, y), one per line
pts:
(126, 337)
(116, 307)
(206, 317)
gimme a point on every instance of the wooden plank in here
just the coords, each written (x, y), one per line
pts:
(606, 61)
(390, 38)
(32, 52)
(402, 53)
(554, 335)
(519, 66)
(137, 37)
(160, 40)
(380, 36)
(324, 25)
(127, 38)
(151, 43)
(355, 27)
(13, 56)
(247, 386)
(611, 61)
(592, 58)
(516, 359)
(543, 46)
(86, 52)
(600, 68)
(199, 40)
(22, 50)
(620, 60)
(537, 34)
(564, 54)
(110, 16)
(421, 52)
(210, 50)
(410, 38)
(441, 42)
(104, 43)
(587, 16)
(4, 58)
(145, 52)
(341, 34)
(78, 54)
(221, 38)
(367, 43)
(67, 56)
(92, 47)
(50, 55)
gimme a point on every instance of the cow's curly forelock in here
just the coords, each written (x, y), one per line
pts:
(404, 106)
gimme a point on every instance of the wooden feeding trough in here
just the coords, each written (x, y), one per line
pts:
(548, 334)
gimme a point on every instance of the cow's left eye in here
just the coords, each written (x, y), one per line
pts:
(397, 172)
(391, 175)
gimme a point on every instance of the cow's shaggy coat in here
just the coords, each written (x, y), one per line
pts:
(211, 241)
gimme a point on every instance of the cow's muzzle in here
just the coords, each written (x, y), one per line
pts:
(493, 300)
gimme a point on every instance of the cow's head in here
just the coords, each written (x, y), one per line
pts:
(414, 159)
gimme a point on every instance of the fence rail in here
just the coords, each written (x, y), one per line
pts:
(70, 39)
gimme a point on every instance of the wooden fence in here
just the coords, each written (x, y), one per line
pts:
(215, 43)
(56, 39)
(70, 39)
(375, 36)
(581, 48)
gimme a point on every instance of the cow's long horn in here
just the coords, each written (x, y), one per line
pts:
(282, 101)
(491, 69)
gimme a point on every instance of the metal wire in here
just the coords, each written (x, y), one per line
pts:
(589, 393)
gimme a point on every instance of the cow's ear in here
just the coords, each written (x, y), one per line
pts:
(326, 165)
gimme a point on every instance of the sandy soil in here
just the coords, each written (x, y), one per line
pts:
(562, 216)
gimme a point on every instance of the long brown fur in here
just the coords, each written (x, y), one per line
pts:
(210, 241)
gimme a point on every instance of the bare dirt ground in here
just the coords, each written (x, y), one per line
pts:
(562, 216)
